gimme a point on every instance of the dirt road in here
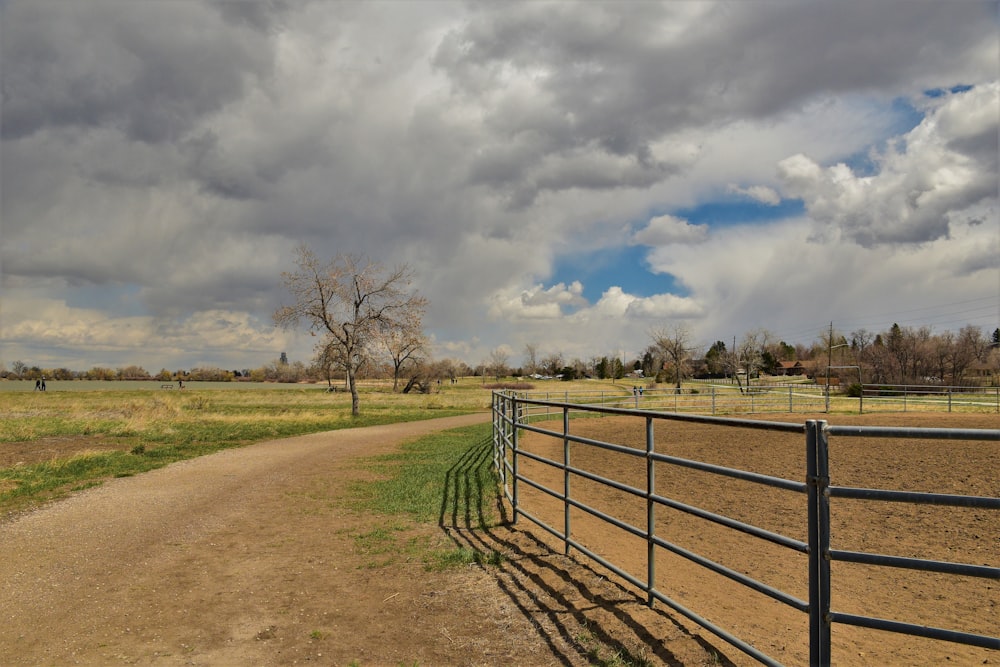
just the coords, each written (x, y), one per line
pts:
(249, 557)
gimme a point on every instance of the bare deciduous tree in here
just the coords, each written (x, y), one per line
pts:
(498, 361)
(530, 358)
(405, 346)
(674, 345)
(750, 352)
(348, 300)
(552, 363)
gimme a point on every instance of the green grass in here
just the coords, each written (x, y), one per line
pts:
(445, 477)
(146, 429)
(444, 559)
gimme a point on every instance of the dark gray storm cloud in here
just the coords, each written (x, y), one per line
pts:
(151, 74)
(174, 152)
(261, 15)
(614, 78)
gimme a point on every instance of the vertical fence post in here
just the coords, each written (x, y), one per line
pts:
(566, 490)
(713, 399)
(503, 428)
(818, 483)
(496, 440)
(949, 399)
(513, 493)
(499, 441)
(650, 515)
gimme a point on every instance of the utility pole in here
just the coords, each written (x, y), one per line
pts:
(829, 364)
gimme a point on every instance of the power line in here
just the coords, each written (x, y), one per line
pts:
(980, 311)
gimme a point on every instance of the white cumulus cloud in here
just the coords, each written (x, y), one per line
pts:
(667, 230)
(926, 180)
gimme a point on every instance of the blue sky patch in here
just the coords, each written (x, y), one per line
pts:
(624, 266)
(730, 212)
(941, 92)
(905, 118)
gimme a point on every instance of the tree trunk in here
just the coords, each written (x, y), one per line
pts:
(355, 401)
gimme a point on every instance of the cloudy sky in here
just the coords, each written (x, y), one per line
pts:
(570, 175)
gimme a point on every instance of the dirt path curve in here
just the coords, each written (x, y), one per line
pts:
(206, 562)
(249, 557)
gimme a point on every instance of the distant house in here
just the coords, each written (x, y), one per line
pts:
(790, 368)
(982, 373)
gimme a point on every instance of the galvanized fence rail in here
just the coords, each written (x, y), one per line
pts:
(513, 415)
(722, 399)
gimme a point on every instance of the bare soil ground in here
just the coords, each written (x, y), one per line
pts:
(940, 533)
(251, 557)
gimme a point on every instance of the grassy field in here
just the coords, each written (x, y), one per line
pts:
(55, 442)
(77, 434)
(74, 436)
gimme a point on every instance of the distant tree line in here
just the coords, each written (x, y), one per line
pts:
(275, 371)
(897, 355)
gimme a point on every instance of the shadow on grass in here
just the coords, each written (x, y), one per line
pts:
(537, 579)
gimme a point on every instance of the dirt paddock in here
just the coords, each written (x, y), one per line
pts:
(941, 533)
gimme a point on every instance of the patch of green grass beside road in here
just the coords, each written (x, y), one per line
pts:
(444, 478)
(140, 431)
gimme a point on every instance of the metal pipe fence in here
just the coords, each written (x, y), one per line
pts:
(514, 415)
(721, 399)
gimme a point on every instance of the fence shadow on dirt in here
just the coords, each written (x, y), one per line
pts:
(576, 610)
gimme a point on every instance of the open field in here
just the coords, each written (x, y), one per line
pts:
(301, 569)
(57, 441)
(80, 433)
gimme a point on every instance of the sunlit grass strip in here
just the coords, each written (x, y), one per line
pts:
(445, 478)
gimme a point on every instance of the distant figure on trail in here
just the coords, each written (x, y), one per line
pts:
(180, 383)
(43, 384)
(38, 385)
